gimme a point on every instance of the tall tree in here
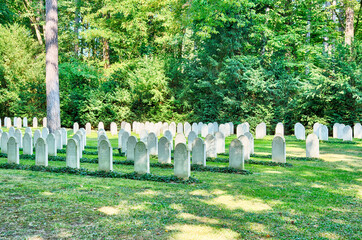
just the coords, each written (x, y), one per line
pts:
(52, 75)
(349, 32)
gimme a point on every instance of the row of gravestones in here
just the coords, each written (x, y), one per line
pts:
(19, 123)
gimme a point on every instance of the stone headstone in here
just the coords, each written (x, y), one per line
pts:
(251, 141)
(231, 127)
(125, 137)
(335, 130)
(84, 134)
(45, 123)
(312, 146)
(11, 132)
(15, 122)
(19, 138)
(236, 154)
(100, 126)
(210, 128)
(152, 143)
(190, 139)
(4, 142)
(35, 122)
(58, 139)
(199, 152)
(164, 150)
(195, 128)
(41, 152)
(143, 136)
(105, 156)
(299, 131)
(210, 146)
(347, 133)
(77, 138)
(37, 134)
(323, 132)
(180, 138)
(52, 145)
(75, 127)
(340, 130)
(172, 128)
(19, 122)
(220, 142)
(180, 128)
(27, 144)
(141, 159)
(113, 128)
(215, 127)
(88, 128)
(204, 130)
(279, 149)
(64, 136)
(127, 127)
(260, 131)
(246, 146)
(239, 130)
(182, 167)
(13, 150)
(100, 138)
(131, 144)
(28, 130)
(25, 122)
(120, 133)
(72, 157)
(357, 130)
(8, 122)
(279, 129)
(187, 128)
(44, 132)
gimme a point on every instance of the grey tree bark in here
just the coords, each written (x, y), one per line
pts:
(349, 31)
(52, 78)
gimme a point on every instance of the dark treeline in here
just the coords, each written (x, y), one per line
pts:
(195, 60)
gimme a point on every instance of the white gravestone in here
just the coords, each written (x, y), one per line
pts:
(120, 138)
(27, 144)
(28, 130)
(45, 124)
(190, 139)
(204, 130)
(187, 128)
(182, 167)
(72, 157)
(236, 154)
(210, 129)
(11, 132)
(246, 146)
(357, 131)
(164, 150)
(312, 146)
(220, 142)
(260, 131)
(75, 127)
(52, 145)
(210, 146)
(347, 133)
(13, 150)
(4, 142)
(279, 149)
(180, 128)
(125, 137)
(141, 159)
(335, 130)
(279, 129)
(105, 156)
(35, 122)
(199, 152)
(25, 122)
(299, 131)
(172, 128)
(251, 141)
(37, 134)
(169, 136)
(100, 126)
(44, 132)
(19, 138)
(323, 133)
(41, 152)
(64, 136)
(180, 138)
(76, 137)
(113, 128)
(131, 144)
(88, 128)
(195, 128)
(152, 142)
(340, 130)
(58, 139)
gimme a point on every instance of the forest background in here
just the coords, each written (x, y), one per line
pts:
(187, 60)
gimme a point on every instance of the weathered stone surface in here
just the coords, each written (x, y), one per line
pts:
(28, 130)
(335, 130)
(347, 133)
(52, 145)
(210, 129)
(231, 127)
(131, 144)
(323, 132)
(199, 152)
(152, 143)
(164, 150)
(260, 131)
(81, 135)
(204, 130)
(190, 139)
(312, 146)
(220, 142)
(13, 150)
(340, 130)
(251, 141)
(236, 154)
(72, 157)
(141, 159)
(210, 146)
(4, 142)
(279, 149)
(180, 138)
(316, 129)
(113, 128)
(105, 156)
(182, 167)
(77, 138)
(180, 128)
(144, 136)
(357, 131)
(279, 129)
(187, 128)
(11, 132)
(125, 137)
(195, 128)
(299, 131)
(37, 134)
(215, 127)
(172, 128)
(25, 122)
(19, 138)
(64, 136)
(41, 152)
(27, 144)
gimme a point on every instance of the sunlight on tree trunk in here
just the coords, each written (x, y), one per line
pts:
(349, 32)
(52, 78)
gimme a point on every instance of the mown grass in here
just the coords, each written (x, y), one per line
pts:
(319, 199)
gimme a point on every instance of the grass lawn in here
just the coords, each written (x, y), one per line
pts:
(319, 199)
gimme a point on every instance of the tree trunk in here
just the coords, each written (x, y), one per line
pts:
(76, 27)
(34, 20)
(52, 78)
(349, 31)
(105, 53)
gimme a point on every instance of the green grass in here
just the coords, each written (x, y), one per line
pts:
(319, 199)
